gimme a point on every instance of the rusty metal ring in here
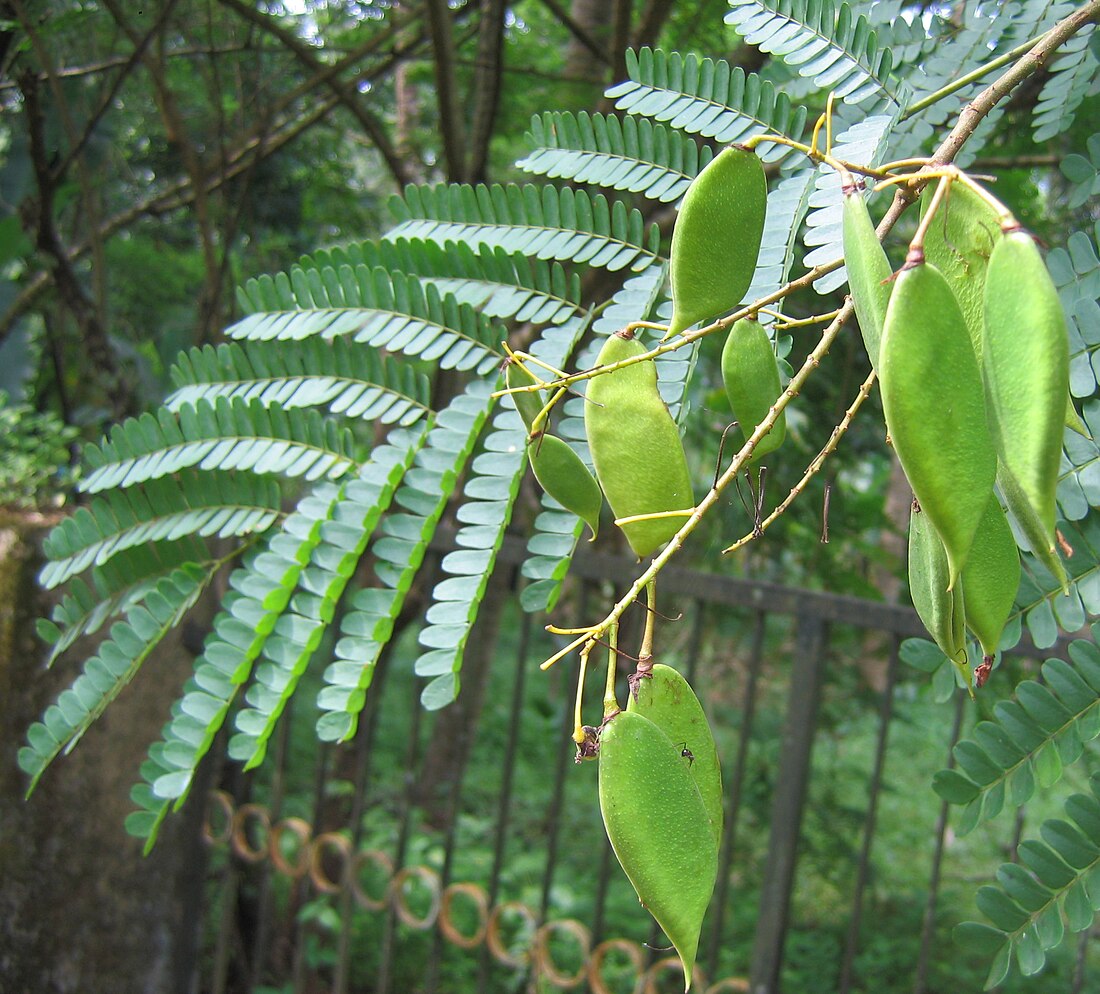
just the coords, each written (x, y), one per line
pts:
(301, 830)
(544, 962)
(493, 937)
(241, 846)
(481, 903)
(218, 799)
(362, 898)
(670, 964)
(729, 985)
(633, 952)
(339, 844)
(430, 879)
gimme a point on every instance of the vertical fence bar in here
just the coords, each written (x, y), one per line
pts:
(262, 941)
(928, 924)
(733, 795)
(789, 799)
(886, 713)
(298, 971)
(504, 804)
(364, 752)
(385, 965)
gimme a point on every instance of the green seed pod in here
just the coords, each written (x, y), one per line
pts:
(565, 477)
(940, 609)
(666, 699)
(659, 828)
(959, 242)
(636, 446)
(1074, 420)
(529, 403)
(869, 271)
(991, 578)
(716, 239)
(1026, 368)
(751, 377)
(933, 399)
(1033, 528)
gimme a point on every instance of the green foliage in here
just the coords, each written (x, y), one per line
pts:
(350, 414)
(34, 455)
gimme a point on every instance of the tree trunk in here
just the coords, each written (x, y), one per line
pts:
(80, 909)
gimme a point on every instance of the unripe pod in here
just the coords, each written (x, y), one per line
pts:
(941, 610)
(636, 446)
(666, 699)
(565, 477)
(959, 242)
(716, 239)
(750, 374)
(1026, 367)
(991, 578)
(529, 402)
(659, 827)
(869, 271)
(933, 399)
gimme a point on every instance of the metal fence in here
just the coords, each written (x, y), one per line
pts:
(462, 850)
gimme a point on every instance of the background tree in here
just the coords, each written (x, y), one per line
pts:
(219, 139)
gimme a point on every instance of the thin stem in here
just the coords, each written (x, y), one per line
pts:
(972, 76)
(816, 463)
(803, 281)
(610, 701)
(578, 725)
(645, 654)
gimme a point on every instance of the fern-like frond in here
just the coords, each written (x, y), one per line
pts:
(1072, 76)
(1055, 885)
(349, 379)
(1075, 270)
(828, 43)
(788, 203)
(548, 223)
(113, 587)
(390, 311)
(260, 593)
(228, 434)
(114, 665)
(630, 153)
(497, 283)
(349, 520)
(707, 97)
(216, 503)
(398, 554)
(1031, 737)
(490, 493)
(863, 143)
(1083, 173)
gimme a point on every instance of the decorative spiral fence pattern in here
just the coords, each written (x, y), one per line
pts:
(504, 881)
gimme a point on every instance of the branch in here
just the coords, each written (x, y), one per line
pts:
(446, 87)
(346, 92)
(486, 86)
(1028, 64)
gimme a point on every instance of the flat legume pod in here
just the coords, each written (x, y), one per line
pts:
(636, 446)
(565, 477)
(941, 610)
(658, 826)
(1026, 367)
(716, 239)
(750, 375)
(666, 698)
(528, 403)
(959, 242)
(991, 578)
(869, 271)
(933, 399)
